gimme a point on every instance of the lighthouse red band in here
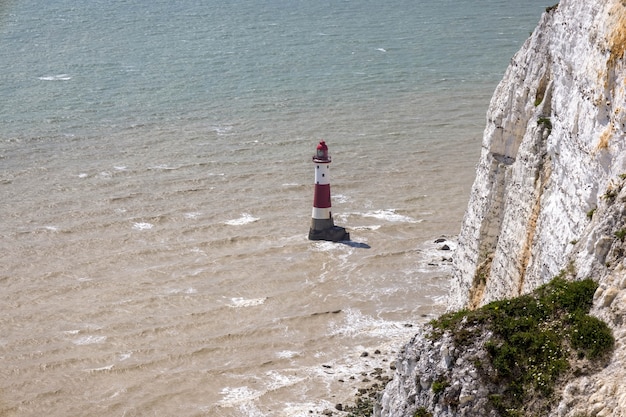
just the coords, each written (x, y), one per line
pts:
(322, 225)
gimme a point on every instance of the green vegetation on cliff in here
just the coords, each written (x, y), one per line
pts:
(535, 340)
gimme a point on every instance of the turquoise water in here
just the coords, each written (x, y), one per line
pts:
(97, 67)
(156, 184)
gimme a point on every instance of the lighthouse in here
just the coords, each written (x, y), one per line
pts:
(322, 225)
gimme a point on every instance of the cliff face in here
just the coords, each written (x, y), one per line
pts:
(549, 194)
(554, 142)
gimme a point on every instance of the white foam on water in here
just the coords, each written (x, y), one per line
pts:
(238, 396)
(198, 271)
(390, 215)
(142, 226)
(189, 290)
(118, 393)
(83, 175)
(277, 380)
(221, 130)
(244, 219)
(286, 354)
(164, 167)
(436, 255)
(59, 77)
(356, 323)
(439, 299)
(192, 215)
(372, 227)
(251, 410)
(89, 340)
(319, 354)
(340, 198)
(238, 302)
(327, 246)
(103, 368)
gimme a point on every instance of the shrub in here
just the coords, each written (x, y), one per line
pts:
(610, 194)
(545, 121)
(531, 336)
(440, 385)
(591, 336)
(552, 8)
(590, 213)
(422, 412)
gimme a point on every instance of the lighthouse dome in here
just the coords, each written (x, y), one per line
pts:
(321, 154)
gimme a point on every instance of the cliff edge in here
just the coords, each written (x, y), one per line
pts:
(549, 197)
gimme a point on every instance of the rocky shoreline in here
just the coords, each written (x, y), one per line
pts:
(367, 385)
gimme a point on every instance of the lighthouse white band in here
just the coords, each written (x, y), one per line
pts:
(321, 213)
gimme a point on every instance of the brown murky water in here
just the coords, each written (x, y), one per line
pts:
(168, 272)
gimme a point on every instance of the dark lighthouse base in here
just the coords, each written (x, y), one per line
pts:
(334, 234)
(326, 230)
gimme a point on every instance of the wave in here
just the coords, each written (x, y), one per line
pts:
(164, 167)
(286, 354)
(340, 198)
(59, 77)
(101, 369)
(244, 219)
(328, 246)
(89, 340)
(244, 302)
(192, 215)
(238, 395)
(391, 216)
(142, 226)
(355, 322)
(372, 227)
(222, 130)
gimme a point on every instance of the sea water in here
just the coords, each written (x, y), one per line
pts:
(156, 188)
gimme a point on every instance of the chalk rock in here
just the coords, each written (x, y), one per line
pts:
(549, 196)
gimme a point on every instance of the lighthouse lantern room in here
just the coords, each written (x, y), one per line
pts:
(322, 225)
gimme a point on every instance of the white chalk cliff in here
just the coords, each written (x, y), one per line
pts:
(549, 196)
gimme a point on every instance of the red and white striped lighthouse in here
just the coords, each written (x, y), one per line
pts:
(322, 225)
